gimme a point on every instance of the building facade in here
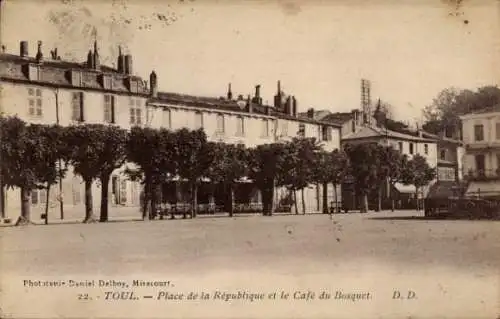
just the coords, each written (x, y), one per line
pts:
(481, 165)
(47, 90)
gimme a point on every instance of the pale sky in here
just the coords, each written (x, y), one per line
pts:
(319, 50)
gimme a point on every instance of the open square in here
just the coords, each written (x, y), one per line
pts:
(440, 260)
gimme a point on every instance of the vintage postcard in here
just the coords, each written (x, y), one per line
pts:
(249, 159)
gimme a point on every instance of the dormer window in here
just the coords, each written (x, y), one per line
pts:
(76, 78)
(106, 81)
(33, 72)
(133, 85)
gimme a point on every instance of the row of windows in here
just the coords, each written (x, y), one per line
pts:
(35, 107)
(412, 148)
(479, 132)
(136, 115)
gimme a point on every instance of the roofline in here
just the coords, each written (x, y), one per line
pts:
(479, 114)
(71, 87)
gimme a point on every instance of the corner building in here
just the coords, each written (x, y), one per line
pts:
(48, 90)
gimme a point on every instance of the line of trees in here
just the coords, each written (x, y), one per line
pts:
(32, 155)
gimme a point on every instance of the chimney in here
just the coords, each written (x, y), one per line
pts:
(268, 110)
(97, 64)
(90, 60)
(153, 84)
(128, 64)
(121, 61)
(277, 98)
(3, 48)
(257, 99)
(39, 54)
(229, 93)
(289, 105)
(310, 113)
(294, 106)
(249, 105)
(24, 49)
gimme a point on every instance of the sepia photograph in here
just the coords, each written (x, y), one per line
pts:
(250, 159)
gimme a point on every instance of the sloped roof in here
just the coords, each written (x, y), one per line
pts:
(54, 73)
(375, 132)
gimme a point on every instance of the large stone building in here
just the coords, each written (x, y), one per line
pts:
(40, 89)
(481, 135)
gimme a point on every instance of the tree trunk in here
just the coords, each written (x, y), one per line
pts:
(104, 198)
(325, 198)
(295, 201)
(61, 199)
(417, 199)
(145, 198)
(25, 217)
(379, 199)
(231, 200)
(194, 196)
(89, 210)
(154, 199)
(47, 205)
(267, 200)
(335, 196)
(364, 203)
(302, 197)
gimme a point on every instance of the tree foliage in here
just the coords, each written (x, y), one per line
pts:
(266, 163)
(228, 166)
(331, 168)
(364, 162)
(93, 153)
(29, 156)
(444, 111)
(153, 152)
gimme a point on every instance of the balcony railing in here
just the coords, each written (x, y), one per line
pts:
(483, 175)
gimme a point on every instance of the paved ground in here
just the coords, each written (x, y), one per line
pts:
(453, 266)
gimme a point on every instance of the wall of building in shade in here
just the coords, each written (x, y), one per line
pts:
(50, 91)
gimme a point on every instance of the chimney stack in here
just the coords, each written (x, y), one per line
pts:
(90, 60)
(229, 93)
(289, 106)
(39, 54)
(257, 99)
(97, 64)
(310, 113)
(153, 84)
(24, 49)
(3, 48)
(249, 105)
(121, 61)
(128, 64)
(294, 106)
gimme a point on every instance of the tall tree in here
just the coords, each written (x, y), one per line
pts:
(299, 157)
(364, 163)
(228, 166)
(444, 111)
(418, 173)
(265, 166)
(389, 171)
(91, 155)
(111, 157)
(29, 154)
(152, 151)
(331, 168)
(193, 160)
